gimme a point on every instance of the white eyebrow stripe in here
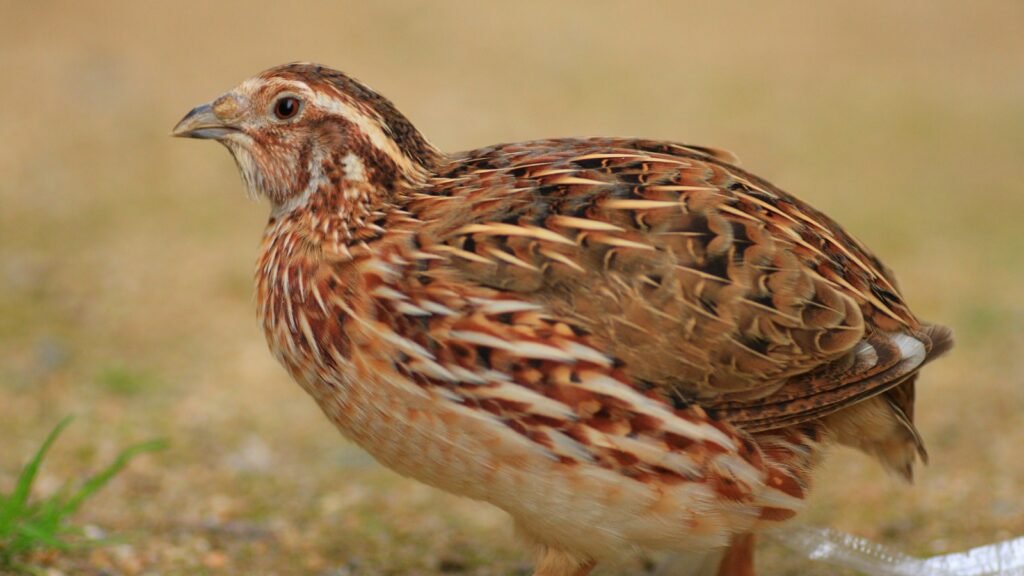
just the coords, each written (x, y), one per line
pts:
(367, 121)
(370, 126)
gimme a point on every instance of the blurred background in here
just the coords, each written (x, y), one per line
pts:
(126, 257)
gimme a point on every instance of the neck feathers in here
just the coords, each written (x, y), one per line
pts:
(343, 204)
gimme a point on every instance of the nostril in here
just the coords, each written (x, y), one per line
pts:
(227, 107)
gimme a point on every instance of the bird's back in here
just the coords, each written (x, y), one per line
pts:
(709, 283)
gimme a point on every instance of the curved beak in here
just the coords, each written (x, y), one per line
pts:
(203, 123)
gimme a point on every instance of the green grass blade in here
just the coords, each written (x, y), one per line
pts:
(14, 505)
(31, 536)
(25, 525)
(90, 486)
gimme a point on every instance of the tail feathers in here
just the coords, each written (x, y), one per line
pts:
(941, 339)
(938, 341)
(884, 426)
(882, 362)
(908, 425)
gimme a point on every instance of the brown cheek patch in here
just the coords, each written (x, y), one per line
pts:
(300, 169)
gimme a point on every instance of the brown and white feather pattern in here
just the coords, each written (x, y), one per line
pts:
(623, 343)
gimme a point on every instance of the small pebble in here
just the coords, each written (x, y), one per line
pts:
(215, 559)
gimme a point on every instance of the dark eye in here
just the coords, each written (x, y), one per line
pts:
(286, 107)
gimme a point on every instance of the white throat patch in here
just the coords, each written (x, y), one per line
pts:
(354, 169)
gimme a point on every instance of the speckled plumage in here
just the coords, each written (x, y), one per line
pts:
(623, 343)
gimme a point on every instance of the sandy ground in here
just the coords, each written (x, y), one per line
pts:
(126, 257)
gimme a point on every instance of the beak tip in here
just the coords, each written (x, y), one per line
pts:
(200, 122)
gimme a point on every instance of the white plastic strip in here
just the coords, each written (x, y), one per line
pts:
(845, 550)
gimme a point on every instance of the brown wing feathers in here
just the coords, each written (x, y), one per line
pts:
(707, 281)
(881, 363)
